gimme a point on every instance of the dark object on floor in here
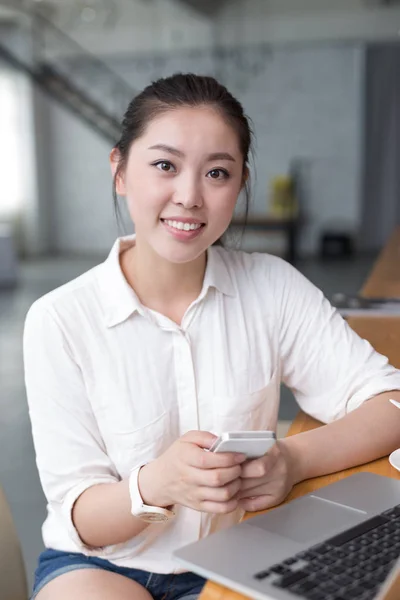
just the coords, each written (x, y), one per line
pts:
(336, 244)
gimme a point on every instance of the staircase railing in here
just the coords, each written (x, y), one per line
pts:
(66, 70)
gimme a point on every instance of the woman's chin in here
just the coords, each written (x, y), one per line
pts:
(181, 254)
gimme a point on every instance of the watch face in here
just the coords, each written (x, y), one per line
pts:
(150, 517)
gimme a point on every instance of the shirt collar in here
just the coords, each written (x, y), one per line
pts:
(119, 299)
(116, 295)
(217, 274)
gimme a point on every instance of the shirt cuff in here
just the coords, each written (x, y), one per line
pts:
(66, 510)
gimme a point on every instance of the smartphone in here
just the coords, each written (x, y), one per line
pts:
(251, 443)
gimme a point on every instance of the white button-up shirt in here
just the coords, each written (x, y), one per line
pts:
(111, 384)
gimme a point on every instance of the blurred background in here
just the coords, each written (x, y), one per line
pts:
(320, 81)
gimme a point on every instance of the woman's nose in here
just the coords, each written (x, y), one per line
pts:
(188, 194)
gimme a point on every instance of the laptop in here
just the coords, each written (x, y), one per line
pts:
(338, 543)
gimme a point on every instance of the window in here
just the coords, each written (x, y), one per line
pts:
(11, 170)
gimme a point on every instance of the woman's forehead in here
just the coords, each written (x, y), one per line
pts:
(191, 128)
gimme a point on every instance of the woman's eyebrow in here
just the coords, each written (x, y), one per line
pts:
(180, 154)
(166, 148)
(221, 156)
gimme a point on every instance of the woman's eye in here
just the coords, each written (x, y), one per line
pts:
(218, 174)
(165, 165)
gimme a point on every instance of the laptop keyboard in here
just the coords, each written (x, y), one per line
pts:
(350, 565)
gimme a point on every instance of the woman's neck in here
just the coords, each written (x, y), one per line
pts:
(166, 287)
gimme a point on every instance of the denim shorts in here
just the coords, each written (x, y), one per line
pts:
(52, 563)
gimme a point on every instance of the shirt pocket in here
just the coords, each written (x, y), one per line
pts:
(129, 447)
(256, 411)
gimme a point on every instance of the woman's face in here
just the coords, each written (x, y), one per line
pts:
(181, 181)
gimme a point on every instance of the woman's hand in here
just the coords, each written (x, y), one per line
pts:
(266, 481)
(186, 474)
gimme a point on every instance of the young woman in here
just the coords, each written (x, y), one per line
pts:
(132, 368)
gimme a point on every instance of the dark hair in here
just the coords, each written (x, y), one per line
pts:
(182, 90)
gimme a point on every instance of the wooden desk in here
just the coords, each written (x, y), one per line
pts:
(384, 335)
(384, 280)
(289, 227)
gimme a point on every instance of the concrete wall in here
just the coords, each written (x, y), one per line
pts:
(306, 106)
(151, 25)
(276, 21)
(136, 26)
(81, 185)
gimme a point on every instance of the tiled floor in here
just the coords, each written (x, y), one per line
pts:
(18, 474)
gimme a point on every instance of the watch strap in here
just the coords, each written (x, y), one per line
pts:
(149, 514)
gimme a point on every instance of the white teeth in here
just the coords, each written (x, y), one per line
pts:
(183, 226)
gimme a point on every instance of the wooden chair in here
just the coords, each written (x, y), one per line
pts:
(13, 584)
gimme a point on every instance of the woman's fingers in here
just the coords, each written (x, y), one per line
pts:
(249, 484)
(215, 478)
(220, 494)
(259, 467)
(219, 508)
(255, 503)
(203, 459)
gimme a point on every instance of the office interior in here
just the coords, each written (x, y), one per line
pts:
(320, 81)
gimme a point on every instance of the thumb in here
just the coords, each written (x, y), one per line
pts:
(203, 439)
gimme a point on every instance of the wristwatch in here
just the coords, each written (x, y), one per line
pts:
(149, 514)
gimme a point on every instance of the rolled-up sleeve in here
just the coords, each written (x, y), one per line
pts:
(329, 368)
(70, 452)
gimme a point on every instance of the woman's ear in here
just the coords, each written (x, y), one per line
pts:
(117, 172)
